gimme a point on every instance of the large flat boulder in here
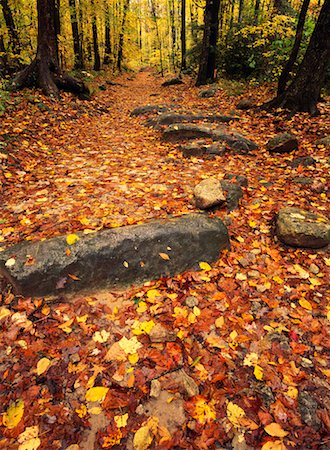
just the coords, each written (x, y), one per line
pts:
(300, 228)
(114, 258)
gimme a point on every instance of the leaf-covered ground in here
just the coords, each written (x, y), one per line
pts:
(235, 356)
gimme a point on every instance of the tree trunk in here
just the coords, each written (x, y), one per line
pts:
(10, 24)
(183, 36)
(77, 49)
(207, 65)
(121, 37)
(44, 71)
(256, 12)
(173, 32)
(240, 11)
(284, 77)
(96, 51)
(107, 37)
(304, 91)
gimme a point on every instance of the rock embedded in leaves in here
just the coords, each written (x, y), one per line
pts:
(172, 82)
(208, 93)
(303, 161)
(324, 141)
(148, 109)
(282, 143)
(233, 193)
(116, 257)
(161, 334)
(300, 228)
(208, 193)
(245, 104)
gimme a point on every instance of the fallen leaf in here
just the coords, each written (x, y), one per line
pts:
(72, 239)
(234, 413)
(274, 429)
(43, 365)
(96, 394)
(205, 266)
(305, 304)
(14, 414)
(164, 256)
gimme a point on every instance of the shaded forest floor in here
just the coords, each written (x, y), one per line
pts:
(243, 361)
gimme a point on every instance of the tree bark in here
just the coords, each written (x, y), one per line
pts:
(10, 24)
(77, 49)
(96, 51)
(207, 65)
(183, 36)
(284, 77)
(44, 71)
(304, 91)
(107, 37)
(121, 37)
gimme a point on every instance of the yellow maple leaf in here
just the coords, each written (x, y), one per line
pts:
(66, 326)
(234, 413)
(258, 372)
(153, 293)
(250, 359)
(101, 336)
(278, 279)
(96, 394)
(43, 365)
(204, 411)
(121, 421)
(143, 327)
(29, 439)
(14, 414)
(292, 392)
(205, 266)
(130, 346)
(72, 238)
(274, 429)
(305, 304)
(4, 312)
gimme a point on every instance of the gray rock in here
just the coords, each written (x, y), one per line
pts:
(233, 193)
(208, 193)
(303, 161)
(148, 109)
(324, 141)
(282, 143)
(245, 104)
(239, 179)
(190, 150)
(170, 118)
(301, 228)
(180, 131)
(208, 93)
(172, 82)
(303, 180)
(308, 407)
(114, 257)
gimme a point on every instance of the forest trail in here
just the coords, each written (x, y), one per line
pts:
(235, 355)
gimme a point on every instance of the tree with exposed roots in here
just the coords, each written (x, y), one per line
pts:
(45, 71)
(303, 93)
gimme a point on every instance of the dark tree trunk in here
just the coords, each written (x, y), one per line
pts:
(183, 36)
(207, 65)
(77, 49)
(107, 37)
(44, 71)
(240, 11)
(304, 91)
(10, 24)
(256, 12)
(121, 37)
(284, 77)
(173, 32)
(96, 51)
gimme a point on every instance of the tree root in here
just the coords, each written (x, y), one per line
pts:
(50, 80)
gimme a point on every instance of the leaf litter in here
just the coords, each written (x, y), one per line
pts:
(240, 349)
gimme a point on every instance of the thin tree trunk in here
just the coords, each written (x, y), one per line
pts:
(240, 11)
(173, 33)
(154, 16)
(96, 51)
(256, 12)
(304, 91)
(207, 65)
(78, 59)
(284, 77)
(183, 36)
(121, 37)
(107, 36)
(10, 24)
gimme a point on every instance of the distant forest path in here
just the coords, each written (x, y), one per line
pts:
(78, 165)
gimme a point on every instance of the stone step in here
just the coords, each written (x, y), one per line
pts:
(115, 258)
